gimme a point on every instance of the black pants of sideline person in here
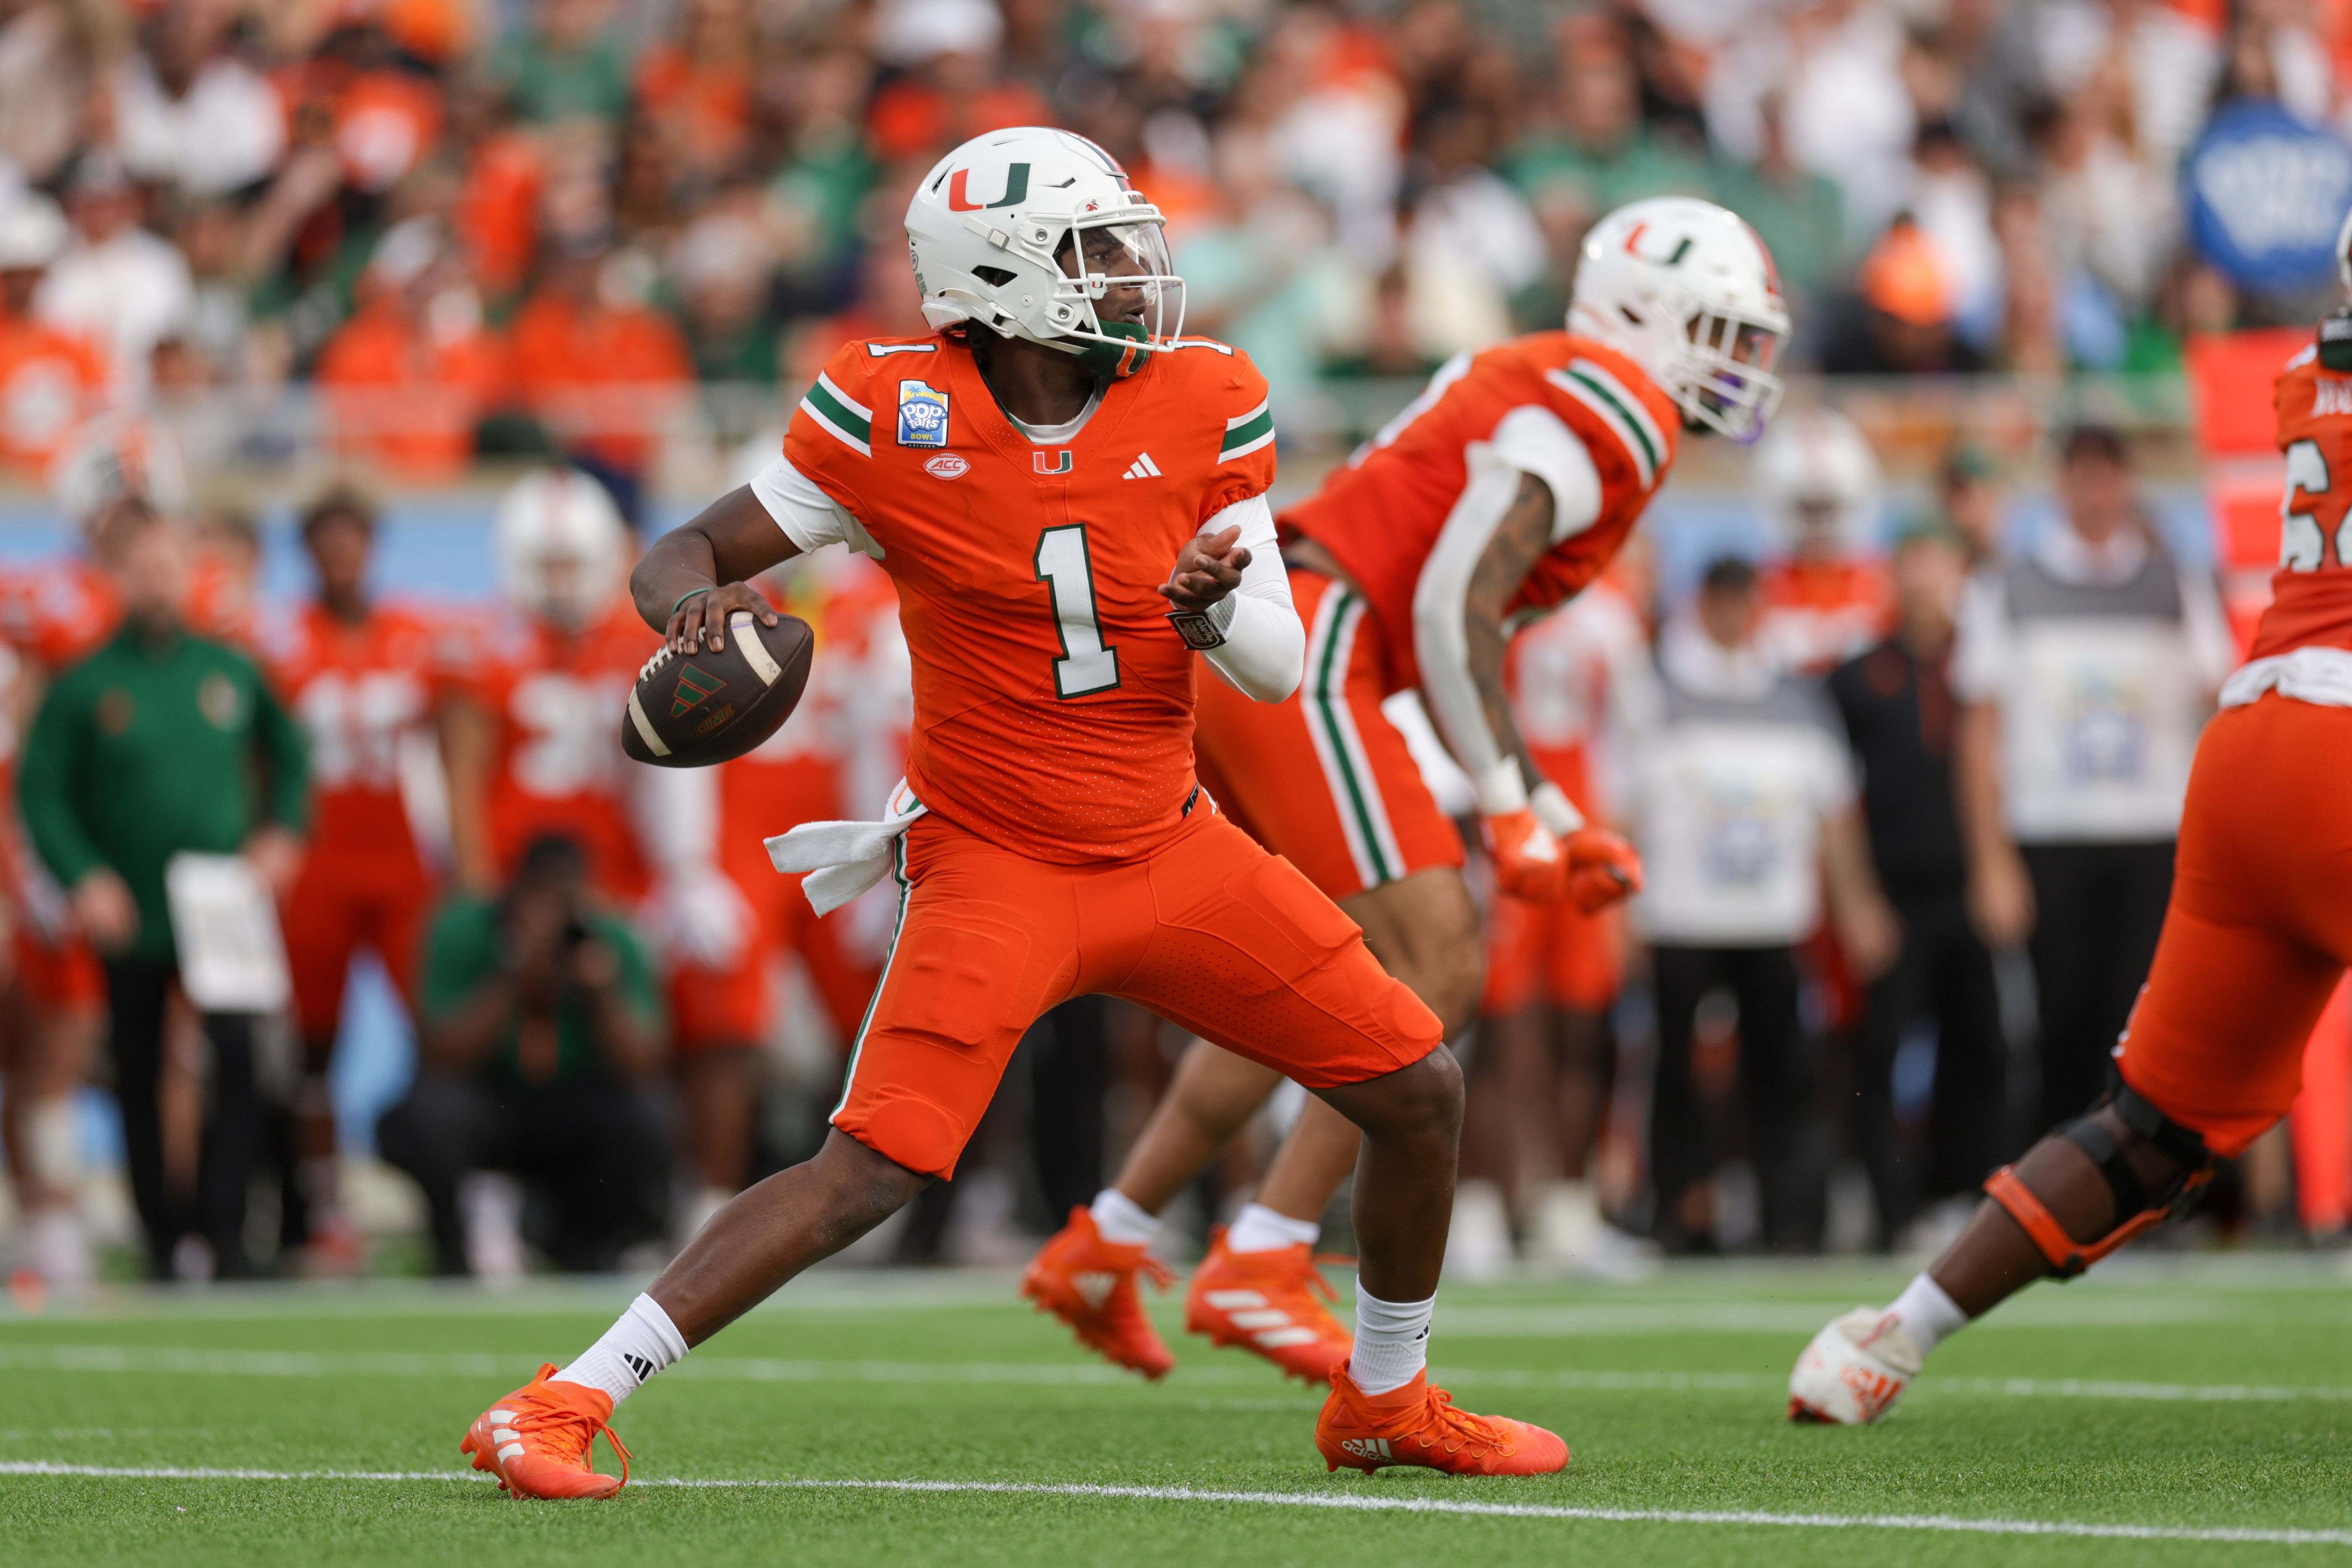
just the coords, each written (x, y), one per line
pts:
(1776, 1076)
(1944, 973)
(2099, 908)
(596, 1151)
(138, 993)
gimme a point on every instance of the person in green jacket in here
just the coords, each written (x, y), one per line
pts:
(160, 742)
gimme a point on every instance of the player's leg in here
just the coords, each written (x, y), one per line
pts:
(58, 1013)
(1565, 1101)
(322, 924)
(985, 941)
(2254, 941)
(717, 1016)
(1327, 781)
(1247, 953)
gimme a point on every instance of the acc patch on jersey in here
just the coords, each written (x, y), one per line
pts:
(923, 415)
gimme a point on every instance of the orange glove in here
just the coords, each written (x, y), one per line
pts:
(1531, 862)
(1602, 869)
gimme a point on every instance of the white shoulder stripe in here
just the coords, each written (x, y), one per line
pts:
(1600, 408)
(833, 428)
(846, 401)
(1238, 420)
(1635, 406)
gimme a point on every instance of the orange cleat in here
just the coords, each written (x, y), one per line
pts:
(1266, 1303)
(1089, 1284)
(1417, 1424)
(536, 1440)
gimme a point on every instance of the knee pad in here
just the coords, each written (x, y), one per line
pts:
(2137, 1209)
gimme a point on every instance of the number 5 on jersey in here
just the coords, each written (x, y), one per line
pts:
(1086, 665)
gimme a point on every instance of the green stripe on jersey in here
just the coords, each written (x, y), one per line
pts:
(846, 419)
(1628, 406)
(1249, 433)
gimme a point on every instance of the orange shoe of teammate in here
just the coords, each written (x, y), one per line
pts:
(1417, 1424)
(1089, 1284)
(536, 1440)
(1267, 1302)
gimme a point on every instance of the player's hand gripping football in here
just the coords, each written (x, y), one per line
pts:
(1208, 568)
(1592, 868)
(700, 621)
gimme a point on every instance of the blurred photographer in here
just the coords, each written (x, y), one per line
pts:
(538, 1034)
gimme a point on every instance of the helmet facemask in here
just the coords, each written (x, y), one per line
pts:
(1729, 387)
(1117, 295)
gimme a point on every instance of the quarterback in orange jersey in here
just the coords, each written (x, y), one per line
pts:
(1830, 596)
(362, 680)
(1497, 495)
(2256, 937)
(1044, 477)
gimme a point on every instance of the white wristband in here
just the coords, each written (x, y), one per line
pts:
(1554, 810)
(1502, 789)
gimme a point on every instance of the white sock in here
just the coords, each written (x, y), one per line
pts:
(1928, 1314)
(641, 1342)
(1123, 1220)
(1392, 1341)
(1258, 1228)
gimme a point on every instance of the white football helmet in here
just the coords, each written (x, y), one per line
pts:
(1035, 233)
(1819, 476)
(1687, 291)
(560, 547)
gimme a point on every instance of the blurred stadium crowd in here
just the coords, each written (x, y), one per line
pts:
(533, 223)
(552, 233)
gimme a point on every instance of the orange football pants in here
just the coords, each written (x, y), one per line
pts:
(1553, 953)
(1207, 930)
(340, 903)
(2259, 927)
(1323, 779)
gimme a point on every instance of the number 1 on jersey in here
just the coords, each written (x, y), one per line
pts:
(1086, 665)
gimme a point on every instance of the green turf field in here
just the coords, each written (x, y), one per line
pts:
(2192, 1412)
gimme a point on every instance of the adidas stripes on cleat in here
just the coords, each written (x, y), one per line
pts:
(1089, 1284)
(1267, 1302)
(1853, 1371)
(536, 1440)
(1417, 1424)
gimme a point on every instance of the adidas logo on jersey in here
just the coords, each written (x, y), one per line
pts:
(1143, 468)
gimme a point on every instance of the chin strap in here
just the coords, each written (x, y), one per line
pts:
(2068, 1258)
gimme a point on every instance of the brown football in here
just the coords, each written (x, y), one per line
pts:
(714, 705)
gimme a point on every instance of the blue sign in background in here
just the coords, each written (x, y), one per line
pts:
(2265, 193)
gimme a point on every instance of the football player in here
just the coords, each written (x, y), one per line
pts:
(1497, 494)
(1044, 477)
(534, 748)
(363, 678)
(2256, 936)
(1829, 596)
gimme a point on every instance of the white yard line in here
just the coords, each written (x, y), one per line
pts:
(150, 1359)
(1335, 1502)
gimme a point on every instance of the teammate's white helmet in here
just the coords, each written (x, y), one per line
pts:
(114, 458)
(1816, 471)
(1036, 233)
(1687, 291)
(561, 546)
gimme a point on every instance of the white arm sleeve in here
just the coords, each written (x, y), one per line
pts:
(1529, 441)
(1265, 651)
(809, 518)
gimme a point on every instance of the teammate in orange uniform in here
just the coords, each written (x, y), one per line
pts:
(360, 677)
(1552, 969)
(2256, 937)
(1042, 477)
(1498, 493)
(1829, 597)
(50, 380)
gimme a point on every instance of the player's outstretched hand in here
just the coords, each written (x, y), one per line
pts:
(700, 621)
(1208, 568)
(1602, 869)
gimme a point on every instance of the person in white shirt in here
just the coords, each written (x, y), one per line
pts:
(119, 285)
(1741, 796)
(2085, 672)
(189, 113)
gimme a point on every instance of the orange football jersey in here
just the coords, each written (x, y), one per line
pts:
(1379, 516)
(2311, 595)
(1053, 698)
(556, 701)
(1819, 614)
(357, 690)
(50, 382)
